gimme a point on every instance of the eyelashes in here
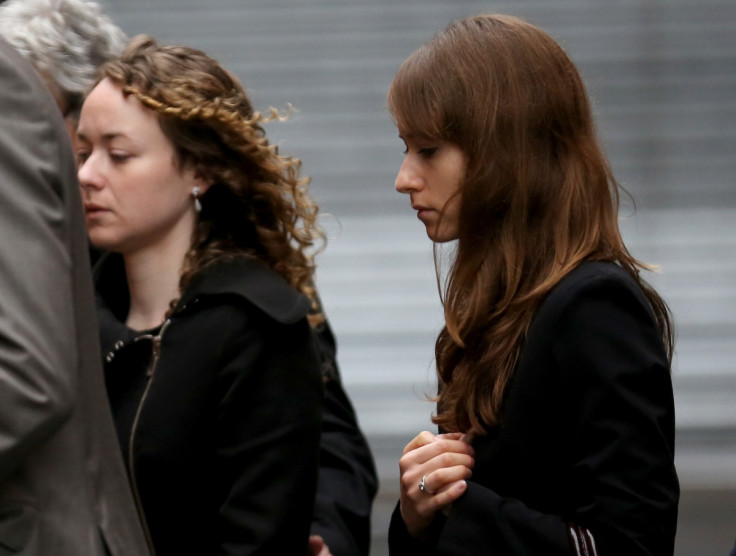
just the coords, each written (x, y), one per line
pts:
(425, 152)
(117, 158)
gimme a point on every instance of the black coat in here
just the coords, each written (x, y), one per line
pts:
(225, 448)
(587, 435)
(347, 475)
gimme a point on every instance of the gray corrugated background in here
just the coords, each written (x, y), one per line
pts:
(662, 76)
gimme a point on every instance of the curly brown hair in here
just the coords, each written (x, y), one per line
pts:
(257, 204)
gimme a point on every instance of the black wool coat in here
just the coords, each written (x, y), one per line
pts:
(586, 436)
(347, 481)
(218, 411)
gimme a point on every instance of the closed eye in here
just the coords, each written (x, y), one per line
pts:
(119, 158)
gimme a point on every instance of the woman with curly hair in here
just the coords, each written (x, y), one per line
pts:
(555, 403)
(205, 300)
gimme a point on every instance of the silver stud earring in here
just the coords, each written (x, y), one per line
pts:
(195, 194)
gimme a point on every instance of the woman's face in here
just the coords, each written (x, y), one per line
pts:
(431, 175)
(135, 197)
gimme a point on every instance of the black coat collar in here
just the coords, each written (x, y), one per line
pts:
(244, 277)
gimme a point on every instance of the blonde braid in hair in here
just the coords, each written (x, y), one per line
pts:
(286, 242)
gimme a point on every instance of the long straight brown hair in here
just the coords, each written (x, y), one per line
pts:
(537, 200)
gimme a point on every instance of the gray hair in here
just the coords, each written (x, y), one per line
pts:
(65, 40)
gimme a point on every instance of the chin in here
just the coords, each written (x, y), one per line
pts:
(102, 243)
(441, 237)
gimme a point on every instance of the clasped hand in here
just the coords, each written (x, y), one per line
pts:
(441, 463)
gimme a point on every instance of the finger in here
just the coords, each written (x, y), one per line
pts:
(422, 439)
(438, 446)
(447, 494)
(426, 437)
(316, 546)
(439, 480)
(428, 452)
(468, 437)
(411, 474)
(449, 436)
(425, 505)
(449, 459)
(442, 443)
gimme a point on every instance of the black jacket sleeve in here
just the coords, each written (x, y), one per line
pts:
(347, 476)
(267, 440)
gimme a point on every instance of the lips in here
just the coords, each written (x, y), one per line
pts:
(92, 209)
(421, 210)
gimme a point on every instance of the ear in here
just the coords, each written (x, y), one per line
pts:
(199, 181)
(202, 184)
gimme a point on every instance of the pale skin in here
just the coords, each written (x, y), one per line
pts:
(317, 547)
(137, 200)
(431, 174)
(445, 461)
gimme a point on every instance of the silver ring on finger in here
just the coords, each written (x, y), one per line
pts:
(423, 485)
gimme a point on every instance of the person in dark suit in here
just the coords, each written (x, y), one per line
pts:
(555, 403)
(63, 488)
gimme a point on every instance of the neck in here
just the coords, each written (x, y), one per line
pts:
(153, 281)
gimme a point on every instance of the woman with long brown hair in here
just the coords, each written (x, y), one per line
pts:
(204, 303)
(554, 403)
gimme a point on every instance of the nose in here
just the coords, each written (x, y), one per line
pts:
(407, 180)
(89, 175)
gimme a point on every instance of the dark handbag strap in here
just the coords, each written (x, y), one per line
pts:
(582, 540)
